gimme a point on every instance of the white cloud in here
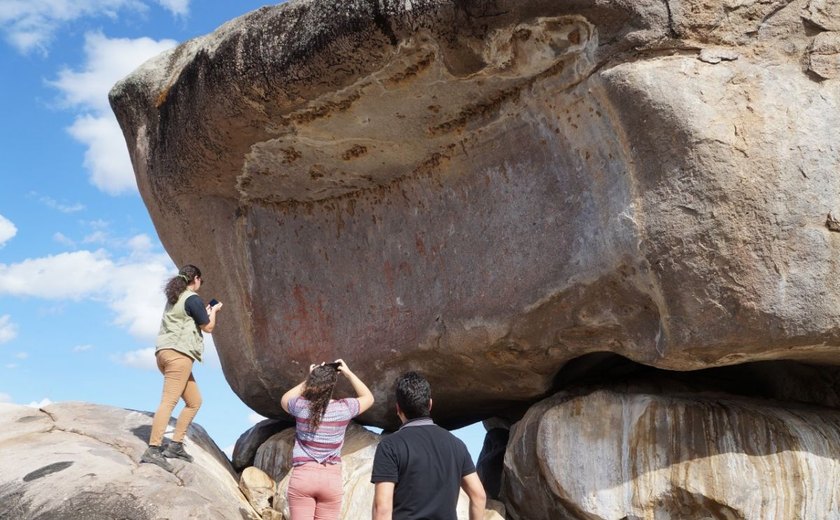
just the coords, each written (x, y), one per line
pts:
(8, 330)
(143, 359)
(63, 239)
(176, 7)
(60, 206)
(229, 451)
(106, 157)
(5, 398)
(140, 244)
(254, 418)
(11, 365)
(40, 404)
(7, 230)
(98, 224)
(130, 287)
(136, 294)
(73, 276)
(97, 237)
(82, 348)
(107, 60)
(30, 25)
(21, 355)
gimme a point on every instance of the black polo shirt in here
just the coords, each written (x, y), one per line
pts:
(426, 463)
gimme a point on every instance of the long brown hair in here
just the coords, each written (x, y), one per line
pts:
(177, 284)
(318, 391)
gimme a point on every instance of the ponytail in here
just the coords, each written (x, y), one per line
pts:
(178, 284)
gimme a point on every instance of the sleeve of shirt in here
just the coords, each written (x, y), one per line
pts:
(196, 310)
(353, 406)
(385, 465)
(467, 466)
(293, 406)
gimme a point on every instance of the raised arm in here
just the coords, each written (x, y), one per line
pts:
(293, 392)
(471, 485)
(363, 393)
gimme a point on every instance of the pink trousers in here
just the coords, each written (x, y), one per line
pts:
(315, 491)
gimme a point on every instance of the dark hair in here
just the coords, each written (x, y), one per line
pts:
(318, 391)
(414, 394)
(177, 284)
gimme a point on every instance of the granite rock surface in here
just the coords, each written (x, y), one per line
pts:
(656, 452)
(80, 461)
(487, 189)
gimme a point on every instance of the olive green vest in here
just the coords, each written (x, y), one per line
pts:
(178, 331)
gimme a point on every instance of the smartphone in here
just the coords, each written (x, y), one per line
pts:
(334, 365)
(214, 302)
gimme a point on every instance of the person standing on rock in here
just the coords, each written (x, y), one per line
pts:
(179, 343)
(418, 470)
(316, 488)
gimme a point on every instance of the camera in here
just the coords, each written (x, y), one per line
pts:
(214, 302)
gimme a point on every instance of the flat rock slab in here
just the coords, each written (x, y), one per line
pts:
(79, 461)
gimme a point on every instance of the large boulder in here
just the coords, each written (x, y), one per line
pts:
(245, 449)
(487, 189)
(634, 452)
(78, 461)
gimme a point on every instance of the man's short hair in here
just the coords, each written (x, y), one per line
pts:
(414, 394)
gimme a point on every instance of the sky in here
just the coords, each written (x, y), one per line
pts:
(81, 265)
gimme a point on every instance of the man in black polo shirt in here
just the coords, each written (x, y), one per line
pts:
(419, 469)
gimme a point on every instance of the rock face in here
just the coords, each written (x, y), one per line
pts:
(80, 461)
(658, 453)
(245, 449)
(259, 488)
(487, 189)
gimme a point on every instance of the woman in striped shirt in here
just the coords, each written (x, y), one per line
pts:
(316, 488)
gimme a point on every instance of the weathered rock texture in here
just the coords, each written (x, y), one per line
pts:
(258, 487)
(245, 449)
(658, 453)
(274, 458)
(80, 461)
(487, 189)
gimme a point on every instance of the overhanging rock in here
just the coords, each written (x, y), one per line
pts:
(484, 190)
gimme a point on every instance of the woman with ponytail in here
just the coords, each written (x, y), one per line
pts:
(179, 343)
(315, 487)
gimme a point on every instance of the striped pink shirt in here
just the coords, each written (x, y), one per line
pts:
(323, 445)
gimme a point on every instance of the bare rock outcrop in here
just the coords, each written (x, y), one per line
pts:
(488, 189)
(656, 452)
(80, 461)
(259, 488)
(245, 449)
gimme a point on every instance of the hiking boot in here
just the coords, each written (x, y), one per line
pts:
(175, 450)
(153, 455)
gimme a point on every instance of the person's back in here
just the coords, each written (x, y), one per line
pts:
(426, 462)
(316, 487)
(419, 469)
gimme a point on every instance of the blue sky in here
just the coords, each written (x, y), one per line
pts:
(81, 265)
